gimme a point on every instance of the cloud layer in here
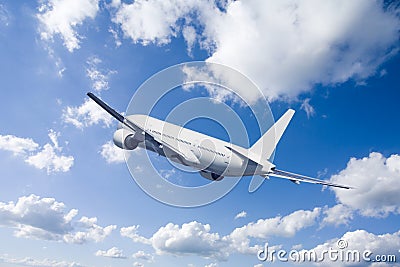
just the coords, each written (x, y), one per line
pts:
(46, 219)
(286, 47)
(195, 238)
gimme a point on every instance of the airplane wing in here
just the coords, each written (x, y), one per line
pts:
(296, 178)
(134, 127)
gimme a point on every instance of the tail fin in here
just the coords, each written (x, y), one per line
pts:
(265, 146)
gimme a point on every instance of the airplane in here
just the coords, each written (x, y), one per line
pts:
(213, 158)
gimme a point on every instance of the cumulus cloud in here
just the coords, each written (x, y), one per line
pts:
(377, 182)
(337, 215)
(113, 252)
(37, 263)
(158, 21)
(49, 157)
(360, 240)
(192, 238)
(62, 17)
(286, 47)
(111, 153)
(47, 219)
(87, 230)
(195, 238)
(242, 214)
(286, 226)
(289, 47)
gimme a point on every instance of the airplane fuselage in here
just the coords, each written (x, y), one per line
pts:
(203, 152)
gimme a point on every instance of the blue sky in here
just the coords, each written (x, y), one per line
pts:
(67, 197)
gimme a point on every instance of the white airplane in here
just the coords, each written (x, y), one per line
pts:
(212, 157)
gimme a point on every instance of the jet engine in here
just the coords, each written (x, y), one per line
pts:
(126, 139)
(211, 176)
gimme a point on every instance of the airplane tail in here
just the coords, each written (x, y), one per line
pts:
(265, 146)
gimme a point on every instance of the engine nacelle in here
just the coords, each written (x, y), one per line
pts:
(125, 139)
(211, 176)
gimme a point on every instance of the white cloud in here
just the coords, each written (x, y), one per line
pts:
(157, 21)
(307, 108)
(377, 182)
(337, 215)
(138, 264)
(99, 77)
(361, 240)
(195, 238)
(286, 226)
(49, 157)
(329, 46)
(192, 238)
(90, 113)
(113, 252)
(47, 219)
(111, 153)
(87, 230)
(37, 263)
(326, 47)
(242, 214)
(87, 114)
(61, 17)
(132, 233)
(211, 265)
(17, 145)
(5, 16)
(141, 255)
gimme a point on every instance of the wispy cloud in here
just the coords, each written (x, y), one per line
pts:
(89, 113)
(141, 255)
(308, 108)
(132, 233)
(27, 261)
(242, 214)
(98, 76)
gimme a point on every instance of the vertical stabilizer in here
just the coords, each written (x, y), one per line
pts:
(265, 146)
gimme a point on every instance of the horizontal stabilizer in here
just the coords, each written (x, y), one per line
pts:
(296, 178)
